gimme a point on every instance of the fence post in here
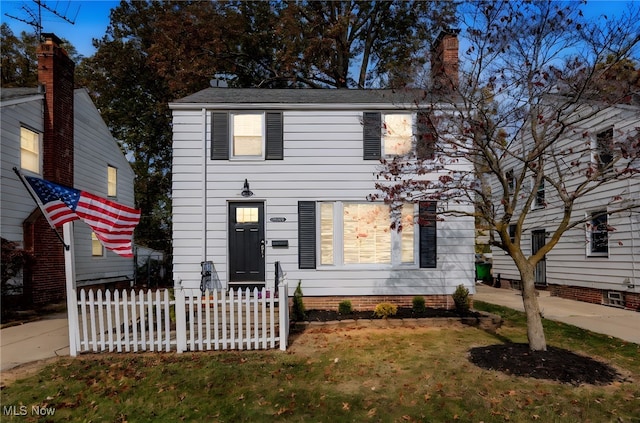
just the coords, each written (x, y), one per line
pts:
(283, 299)
(181, 318)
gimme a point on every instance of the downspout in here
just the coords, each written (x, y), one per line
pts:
(634, 280)
(204, 184)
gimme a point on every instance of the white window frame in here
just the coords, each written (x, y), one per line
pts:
(536, 204)
(596, 150)
(263, 147)
(338, 241)
(23, 150)
(112, 185)
(412, 134)
(589, 228)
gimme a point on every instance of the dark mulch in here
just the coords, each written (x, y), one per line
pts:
(403, 313)
(554, 364)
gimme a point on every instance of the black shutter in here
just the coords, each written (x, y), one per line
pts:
(428, 238)
(372, 128)
(426, 136)
(274, 136)
(219, 136)
(306, 234)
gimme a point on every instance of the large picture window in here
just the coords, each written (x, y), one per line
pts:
(360, 233)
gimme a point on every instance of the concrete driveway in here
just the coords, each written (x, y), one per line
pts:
(612, 321)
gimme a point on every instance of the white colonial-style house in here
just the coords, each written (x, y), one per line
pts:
(599, 261)
(56, 133)
(282, 175)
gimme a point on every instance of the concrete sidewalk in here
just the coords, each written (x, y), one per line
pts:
(34, 341)
(612, 321)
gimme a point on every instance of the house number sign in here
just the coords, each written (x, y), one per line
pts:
(278, 219)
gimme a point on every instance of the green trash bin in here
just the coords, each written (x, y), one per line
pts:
(483, 272)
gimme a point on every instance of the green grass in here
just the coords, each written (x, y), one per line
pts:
(336, 375)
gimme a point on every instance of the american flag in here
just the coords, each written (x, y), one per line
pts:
(113, 223)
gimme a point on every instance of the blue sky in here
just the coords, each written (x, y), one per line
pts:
(92, 17)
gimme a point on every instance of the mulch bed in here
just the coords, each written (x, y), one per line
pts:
(554, 364)
(403, 313)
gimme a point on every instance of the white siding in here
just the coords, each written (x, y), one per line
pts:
(568, 263)
(95, 149)
(322, 161)
(15, 200)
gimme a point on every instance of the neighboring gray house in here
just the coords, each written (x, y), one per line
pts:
(282, 175)
(56, 133)
(598, 262)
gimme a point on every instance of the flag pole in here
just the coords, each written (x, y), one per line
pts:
(70, 278)
(15, 169)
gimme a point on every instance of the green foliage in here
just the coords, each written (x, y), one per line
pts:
(298, 312)
(418, 303)
(345, 307)
(462, 300)
(384, 310)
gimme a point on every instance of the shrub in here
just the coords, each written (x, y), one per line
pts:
(298, 311)
(419, 304)
(345, 307)
(461, 300)
(385, 310)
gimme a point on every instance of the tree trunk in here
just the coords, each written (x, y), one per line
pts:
(535, 331)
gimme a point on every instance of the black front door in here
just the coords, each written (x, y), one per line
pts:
(246, 242)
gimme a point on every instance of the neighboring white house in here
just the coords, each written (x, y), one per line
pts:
(39, 135)
(598, 262)
(282, 175)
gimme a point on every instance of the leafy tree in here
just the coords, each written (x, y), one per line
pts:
(533, 76)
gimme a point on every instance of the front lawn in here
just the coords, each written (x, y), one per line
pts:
(332, 374)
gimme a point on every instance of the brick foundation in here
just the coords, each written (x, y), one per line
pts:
(593, 295)
(366, 303)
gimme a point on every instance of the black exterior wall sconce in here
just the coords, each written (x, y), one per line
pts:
(246, 192)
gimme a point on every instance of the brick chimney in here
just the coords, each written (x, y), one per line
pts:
(44, 280)
(55, 73)
(444, 61)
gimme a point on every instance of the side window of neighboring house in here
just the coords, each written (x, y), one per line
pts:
(246, 135)
(511, 181)
(355, 233)
(30, 157)
(396, 134)
(603, 154)
(598, 234)
(539, 200)
(97, 250)
(112, 181)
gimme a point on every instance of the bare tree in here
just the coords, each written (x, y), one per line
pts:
(532, 77)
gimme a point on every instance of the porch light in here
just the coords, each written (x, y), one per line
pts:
(246, 192)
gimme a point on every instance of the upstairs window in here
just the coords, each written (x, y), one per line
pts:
(30, 150)
(598, 234)
(539, 201)
(511, 181)
(247, 135)
(603, 154)
(397, 134)
(112, 181)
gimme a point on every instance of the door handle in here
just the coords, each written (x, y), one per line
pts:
(262, 244)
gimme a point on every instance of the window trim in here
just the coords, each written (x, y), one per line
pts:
(590, 231)
(39, 152)
(253, 157)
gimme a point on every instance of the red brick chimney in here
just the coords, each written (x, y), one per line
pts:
(55, 73)
(44, 280)
(444, 61)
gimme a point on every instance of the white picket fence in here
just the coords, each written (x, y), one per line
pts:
(152, 321)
